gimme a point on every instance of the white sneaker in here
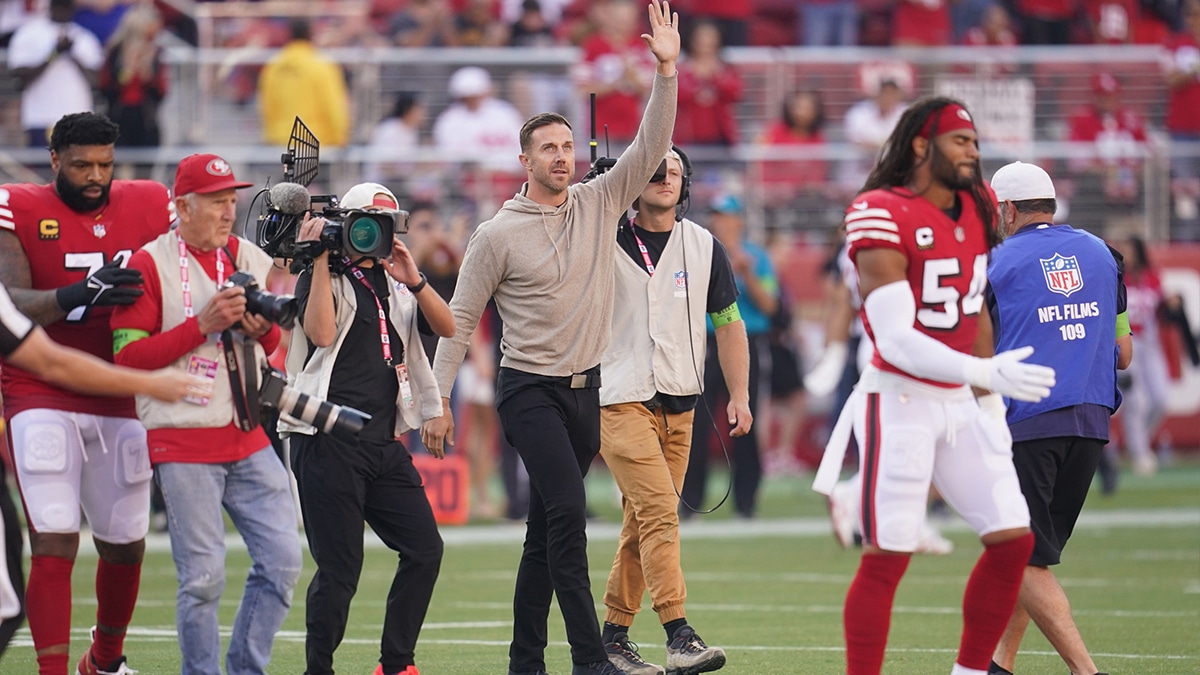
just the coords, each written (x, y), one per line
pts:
(843, 512)
(932, 542)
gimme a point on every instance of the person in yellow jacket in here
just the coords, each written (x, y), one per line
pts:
(301, 82)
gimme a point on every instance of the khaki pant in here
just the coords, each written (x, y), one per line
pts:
(647, 453)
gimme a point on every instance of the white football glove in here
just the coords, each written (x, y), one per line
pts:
(1005, 374)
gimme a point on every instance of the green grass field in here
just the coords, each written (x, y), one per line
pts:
(770, 591)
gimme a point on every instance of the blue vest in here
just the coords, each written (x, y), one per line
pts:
(1055, 288)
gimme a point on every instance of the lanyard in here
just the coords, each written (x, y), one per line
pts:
(245, 414)
(185, 278)
(384, 339)
(642, 247)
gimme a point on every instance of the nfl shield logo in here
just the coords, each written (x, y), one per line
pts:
(1062, 274)
(98, 230)
(681, 279)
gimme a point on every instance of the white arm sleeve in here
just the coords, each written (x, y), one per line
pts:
(892, 312)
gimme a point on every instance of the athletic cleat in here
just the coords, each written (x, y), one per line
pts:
(996, 669)
(87, 666)
(688, 655)
(843, 514)
(410, 670)
(624, 655)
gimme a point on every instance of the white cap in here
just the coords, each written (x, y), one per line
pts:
(470, 81)
(367, 195)
(1020, 182)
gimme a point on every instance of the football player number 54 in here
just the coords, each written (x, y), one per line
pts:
(946, 310)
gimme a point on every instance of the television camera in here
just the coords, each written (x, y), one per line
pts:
(348, 233)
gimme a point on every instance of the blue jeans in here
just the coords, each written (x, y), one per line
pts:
(256, 493)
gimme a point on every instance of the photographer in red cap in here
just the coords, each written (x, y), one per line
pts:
(208, 450)
(62, 250)
(919, 234)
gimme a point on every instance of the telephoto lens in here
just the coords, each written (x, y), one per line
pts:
(328, 418)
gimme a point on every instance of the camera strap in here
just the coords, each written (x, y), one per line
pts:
(246, 420)
(385, 339)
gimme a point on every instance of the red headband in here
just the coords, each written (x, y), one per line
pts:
(952, 117)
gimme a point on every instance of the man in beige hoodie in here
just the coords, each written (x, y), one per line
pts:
(547, 259)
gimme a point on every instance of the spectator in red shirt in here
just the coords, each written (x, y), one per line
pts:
(921, 23)
(1182, 66)
(134, 79)
(708, 90)
(614, 67)
(1117, 133)
(800, 126)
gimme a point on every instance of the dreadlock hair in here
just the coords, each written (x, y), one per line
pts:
(85, 128)
(898, 163)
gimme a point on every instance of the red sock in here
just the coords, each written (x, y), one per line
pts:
(869, 611)
(116, 595)
(48, 609)
(990, 598)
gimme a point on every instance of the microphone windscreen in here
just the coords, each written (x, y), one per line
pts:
(290, 198)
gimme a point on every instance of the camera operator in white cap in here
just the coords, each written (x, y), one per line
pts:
(1062, 291)
(357, 345)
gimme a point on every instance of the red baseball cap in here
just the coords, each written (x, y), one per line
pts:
(204, 174)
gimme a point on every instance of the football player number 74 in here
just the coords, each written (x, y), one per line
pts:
(89, 263)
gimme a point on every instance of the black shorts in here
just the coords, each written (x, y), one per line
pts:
(1055, 475)
(785, 371)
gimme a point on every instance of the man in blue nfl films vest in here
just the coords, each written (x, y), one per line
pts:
(1061, 290)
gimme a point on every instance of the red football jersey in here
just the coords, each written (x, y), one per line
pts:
(947, 262)
(64, 246)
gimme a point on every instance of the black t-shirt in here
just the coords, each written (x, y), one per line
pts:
(360, 378)
(722, 288)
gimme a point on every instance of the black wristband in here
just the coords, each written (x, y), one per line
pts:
(421, 286)
(75, 295)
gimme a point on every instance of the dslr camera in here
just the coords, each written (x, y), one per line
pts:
(280, 309)
(329, 418)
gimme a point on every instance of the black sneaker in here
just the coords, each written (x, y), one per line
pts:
(995, 669)
(688, 655)
(624, 655)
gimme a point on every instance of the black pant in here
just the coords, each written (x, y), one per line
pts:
(747, 465)
(556, 430)
(342, 485)
(10, 548)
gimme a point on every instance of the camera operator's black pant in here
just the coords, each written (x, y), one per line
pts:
(556, 430)
(341, 486)
(744, 452)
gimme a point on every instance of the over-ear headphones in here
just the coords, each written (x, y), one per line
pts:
(686, 185)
